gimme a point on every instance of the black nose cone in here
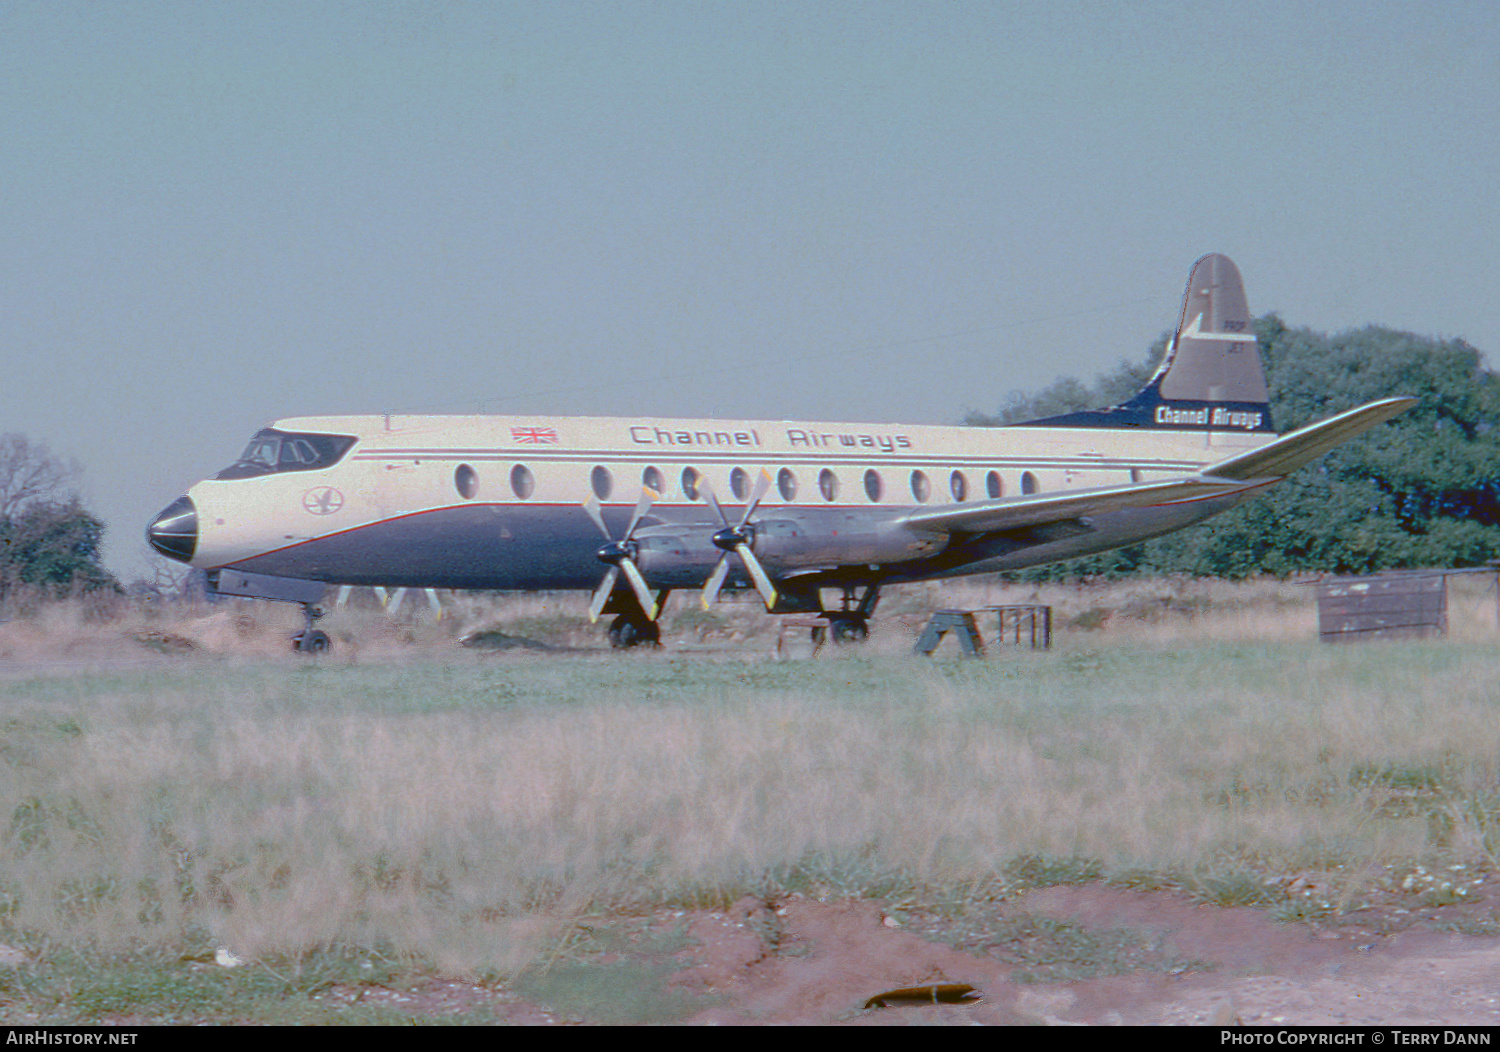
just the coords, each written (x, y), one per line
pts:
(174, 532)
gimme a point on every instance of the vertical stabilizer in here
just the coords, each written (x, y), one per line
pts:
(1211, 378)
(1214, 355)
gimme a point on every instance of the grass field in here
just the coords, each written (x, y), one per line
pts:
(454, 813)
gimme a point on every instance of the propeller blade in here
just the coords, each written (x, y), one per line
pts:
(758, 574)
(592, 507)
(735, 539)
(601, 594)
(715, 581)
(707, 493)
(649, 497)
(642, 590)
(761, 486)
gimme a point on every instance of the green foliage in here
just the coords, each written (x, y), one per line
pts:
(52, 547)
(1423, 490)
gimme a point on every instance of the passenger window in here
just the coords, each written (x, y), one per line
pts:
(872, 484)
(739, 483)
(1029, 483)
(600, 479)
(993, 486)
(959, 486)
(690, 479)
(523, 483)
(921, 488)
(786, 484)
(828, 484)
(651, 479)
(466, 481)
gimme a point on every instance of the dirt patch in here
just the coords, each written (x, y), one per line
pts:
(812, 962)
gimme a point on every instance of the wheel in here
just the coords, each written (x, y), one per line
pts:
(314, 641)
(624, 633)
(819, 634)
(849, 630)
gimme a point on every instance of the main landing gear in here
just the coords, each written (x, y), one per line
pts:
(843, 630)
(632, 626)
(851, 623)
(311, 640)
(626, 631)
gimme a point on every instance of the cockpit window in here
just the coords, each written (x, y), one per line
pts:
(274, 451)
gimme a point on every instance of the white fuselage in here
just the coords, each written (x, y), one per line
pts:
(485, 501)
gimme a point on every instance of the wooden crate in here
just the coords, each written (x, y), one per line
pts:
(1382, 606)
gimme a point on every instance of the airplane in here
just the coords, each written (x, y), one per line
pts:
(633, 508)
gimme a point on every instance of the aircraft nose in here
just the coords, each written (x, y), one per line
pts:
(174, 532)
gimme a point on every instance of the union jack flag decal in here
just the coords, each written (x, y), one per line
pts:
(536, 436)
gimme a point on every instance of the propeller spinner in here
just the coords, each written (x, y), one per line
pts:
(620, 555)
(737, 540)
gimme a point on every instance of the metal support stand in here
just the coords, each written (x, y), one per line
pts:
(1033, 623)
(945, 621)
(1036, 621)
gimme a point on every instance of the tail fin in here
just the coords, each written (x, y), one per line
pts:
(1211, 378)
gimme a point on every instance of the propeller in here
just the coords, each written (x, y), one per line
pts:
(620, 556)
(736, 540)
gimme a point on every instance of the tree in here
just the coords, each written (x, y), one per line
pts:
(48, 540)
(29, 472)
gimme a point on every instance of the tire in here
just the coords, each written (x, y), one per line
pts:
(311, 642)
(849, 630)
(625, 633)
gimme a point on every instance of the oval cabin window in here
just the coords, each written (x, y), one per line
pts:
(993, 486)
(786, 484)
(690, 479)
(739, 483)
(466, 481)
(651, 479)
(959, 486)
(828, 484)
(872, 484)
(522, 482)
(600, 479)
(921, 487)
(1029, 483)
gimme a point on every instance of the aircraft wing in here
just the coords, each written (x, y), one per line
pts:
(992, 516)
(1236, 474)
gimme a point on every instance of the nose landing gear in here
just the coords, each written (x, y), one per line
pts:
(311, 640)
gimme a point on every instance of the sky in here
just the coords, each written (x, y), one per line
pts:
(218, 214)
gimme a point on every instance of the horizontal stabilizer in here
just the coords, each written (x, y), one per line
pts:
(1288, 453)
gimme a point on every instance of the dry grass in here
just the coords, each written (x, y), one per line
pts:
(458, 810)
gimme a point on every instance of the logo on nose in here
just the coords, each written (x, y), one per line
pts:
(324, 500)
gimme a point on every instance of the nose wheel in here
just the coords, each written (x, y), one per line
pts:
(311, 640)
